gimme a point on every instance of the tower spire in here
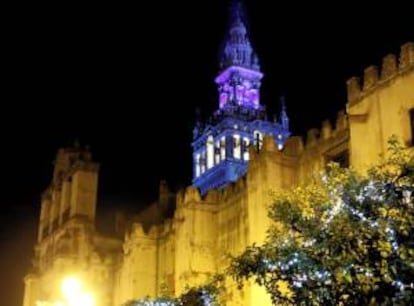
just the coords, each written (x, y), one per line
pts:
(221, 147)
(237, 49)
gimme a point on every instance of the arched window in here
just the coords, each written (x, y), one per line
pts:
(203, 162)
(217, 153)
(210, 152)
(239, 94)
(237, 146)
(246, 143)
(197, 165)
(223, 99)
(223, 148)
(258, 139)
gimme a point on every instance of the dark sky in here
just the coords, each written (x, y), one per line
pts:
(126, 81)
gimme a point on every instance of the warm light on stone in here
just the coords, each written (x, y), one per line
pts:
(237, 163)
(71, 286)
(73, 293)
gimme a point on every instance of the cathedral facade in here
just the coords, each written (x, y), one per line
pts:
(238, 158)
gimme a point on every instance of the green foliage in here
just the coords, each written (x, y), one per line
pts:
(346, 239)
(205, 295)
(153, 302)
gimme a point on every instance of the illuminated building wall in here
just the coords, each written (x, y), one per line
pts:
(237, 162)
(380, 106)
(209, 224)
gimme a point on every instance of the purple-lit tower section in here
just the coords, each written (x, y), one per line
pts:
(220, 147)
(239, 81)
(240, 86)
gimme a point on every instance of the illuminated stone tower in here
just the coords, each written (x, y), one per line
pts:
(68, 243)
(221, 146)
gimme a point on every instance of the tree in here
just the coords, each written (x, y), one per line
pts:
(204, 295)
(343, 239)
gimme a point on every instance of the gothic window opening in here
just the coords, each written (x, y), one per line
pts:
(203, 162)
(217, 153)
(223, 148)
(239, 93)
(198, 166)
(246, 143)
(210, 152)
(223, 99)
(237, 147)
(258, 140)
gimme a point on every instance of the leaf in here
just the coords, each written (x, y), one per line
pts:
(348, 278)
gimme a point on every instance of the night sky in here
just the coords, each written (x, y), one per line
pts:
(126, 80)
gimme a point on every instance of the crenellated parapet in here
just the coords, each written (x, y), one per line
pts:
(373, 78)
(191, 195)
(389, 66)
(294, 146)
(326, 130)
(136, 230)
(329, 143)
(269, 144)
(137, 235)
(407, 56)
(341, 123)
(212, 196)
(312, 137)
(326, 134)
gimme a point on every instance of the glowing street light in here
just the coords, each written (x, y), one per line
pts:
(71, 288)
(73, 294)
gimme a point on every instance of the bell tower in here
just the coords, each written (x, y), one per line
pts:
(220, 147)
